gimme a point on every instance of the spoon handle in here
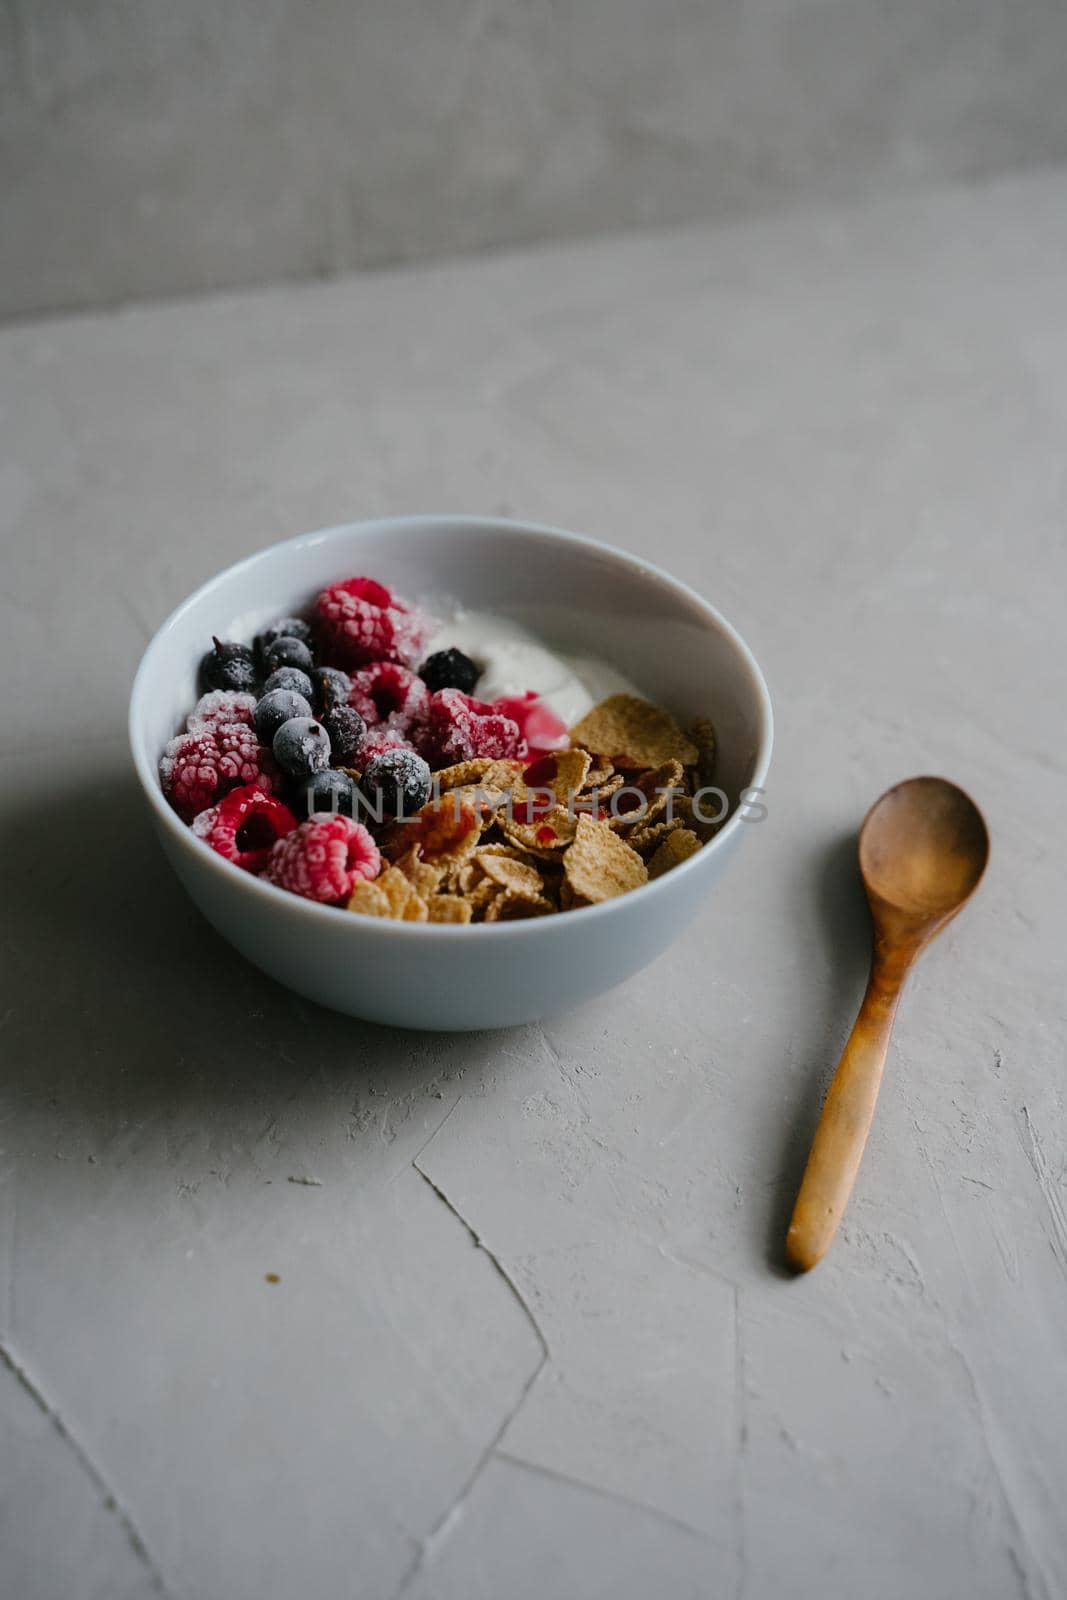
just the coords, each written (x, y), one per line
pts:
(837, 1148)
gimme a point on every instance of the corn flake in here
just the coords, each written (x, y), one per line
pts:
(448, 908)
(514, 876)
(517, 907)
(369, 900)
(677, 847)
(633, 734)
(599, 865)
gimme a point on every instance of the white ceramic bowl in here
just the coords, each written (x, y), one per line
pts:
(579, 595)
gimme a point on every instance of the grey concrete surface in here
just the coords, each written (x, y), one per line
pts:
(531, 1338)
(152, 149)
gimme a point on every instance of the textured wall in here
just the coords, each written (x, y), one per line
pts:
(149, 147)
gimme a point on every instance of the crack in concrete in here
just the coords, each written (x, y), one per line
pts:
(111, 1501)
(678, 1259)
(451, 1517)
(502, 1271)
(565, 1478)
(442, 1528)
(421, 1151)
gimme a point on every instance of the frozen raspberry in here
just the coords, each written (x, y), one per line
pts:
(458, 728)
(198, 768)
(387, 695)
(376, 743)
(324, 858)
(221, 705)
(360, 621)
(244, 826)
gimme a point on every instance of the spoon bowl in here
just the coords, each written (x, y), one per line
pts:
(922, 850)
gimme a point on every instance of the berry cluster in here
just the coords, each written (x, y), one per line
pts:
(318, 718)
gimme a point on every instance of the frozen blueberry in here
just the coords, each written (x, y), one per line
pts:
(332, 687)
(346, 728)
(291, 678)
(328, 790)
(302, 746)
(276, 707)
(449, 669)
(287, 652)
(228, 666)
(398, 781)
(284, 628)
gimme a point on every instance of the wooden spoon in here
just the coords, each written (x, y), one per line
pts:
(923, 848)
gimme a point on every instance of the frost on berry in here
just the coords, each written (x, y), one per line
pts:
(377, 742)
(459, 728)
(358, 621)
(221, 705)
(390, 697)
(244, 826)
(324, 858)
(198, 768)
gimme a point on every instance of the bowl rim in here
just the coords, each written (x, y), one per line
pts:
(326, 915)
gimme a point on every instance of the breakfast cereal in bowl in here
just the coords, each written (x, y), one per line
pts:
(434, 765)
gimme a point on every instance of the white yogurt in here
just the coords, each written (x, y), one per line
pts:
(514, 660)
